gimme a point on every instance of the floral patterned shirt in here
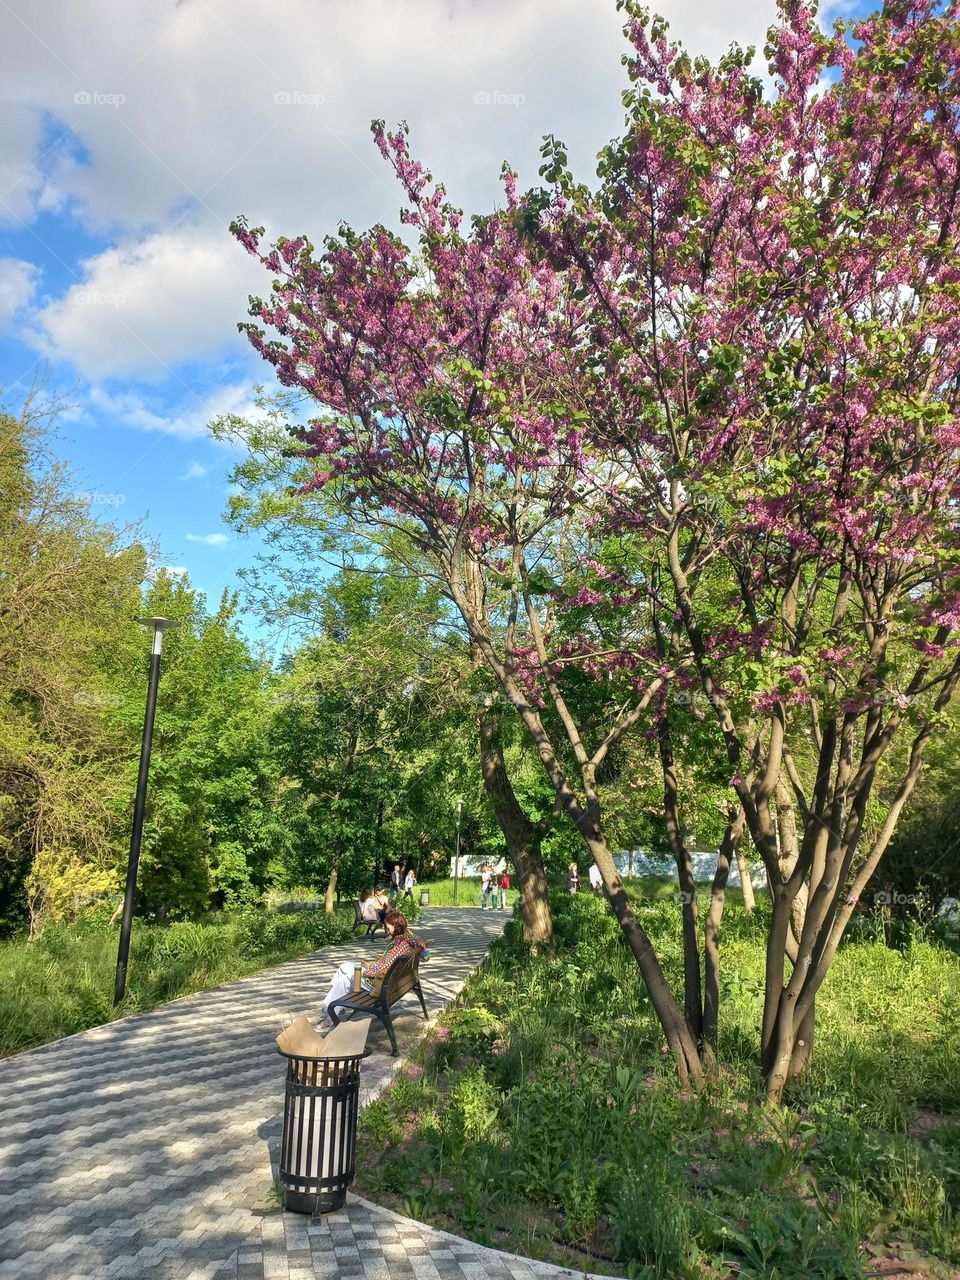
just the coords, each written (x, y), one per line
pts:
(398, 947)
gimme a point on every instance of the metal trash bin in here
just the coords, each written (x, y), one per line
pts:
(424, 897)
(321, 1104)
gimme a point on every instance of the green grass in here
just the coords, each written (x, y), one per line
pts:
(468, 893)
(63, 982)
(543, 1116)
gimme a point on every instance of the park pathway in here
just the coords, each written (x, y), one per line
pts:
(148, 1147)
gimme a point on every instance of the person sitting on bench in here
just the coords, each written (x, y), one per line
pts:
(402, 941)
(369, 909)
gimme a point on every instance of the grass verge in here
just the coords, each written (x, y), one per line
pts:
(543, 1116)
(468, 893)
(63, 981)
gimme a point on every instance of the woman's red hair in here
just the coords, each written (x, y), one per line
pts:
(399, 922)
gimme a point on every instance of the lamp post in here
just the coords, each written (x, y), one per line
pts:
(136, 836)
(456, 861)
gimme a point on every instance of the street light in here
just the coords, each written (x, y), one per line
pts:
(456, 861)
(123, 951)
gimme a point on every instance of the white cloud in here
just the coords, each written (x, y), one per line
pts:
(175, 296)
(209, 539)
(189, 422)
(207, 107)
(195, 471)
(174, 570)
(156, 124)
(18, 282)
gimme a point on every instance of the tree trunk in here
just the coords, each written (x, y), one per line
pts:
(780, 1055)
(746, 884)
(692, 991)
(773, 993)
(680, 1038)
(522, 836)
(711, 937)
(803, 1045)
(332, 886)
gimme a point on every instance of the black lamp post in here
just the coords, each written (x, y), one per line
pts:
(456, 861)
(129, 897)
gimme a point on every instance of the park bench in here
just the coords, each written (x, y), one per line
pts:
(371, 926)
(402, 977)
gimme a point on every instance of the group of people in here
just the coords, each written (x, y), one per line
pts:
(493, 888)
(573, 879)
(409, 882)
(379, 905)
(375, 903)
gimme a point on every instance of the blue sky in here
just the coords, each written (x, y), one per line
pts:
(133, 137)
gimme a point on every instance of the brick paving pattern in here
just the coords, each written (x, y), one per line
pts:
(144, 1147)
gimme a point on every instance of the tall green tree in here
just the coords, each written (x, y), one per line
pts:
(213, 821)
(360, 725)
(69, 593)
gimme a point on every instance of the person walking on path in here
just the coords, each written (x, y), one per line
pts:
(573, 878)
(402, 940)
(504, 886)
(486, 883)
(596, 879)
(409, 884)
(395, 882)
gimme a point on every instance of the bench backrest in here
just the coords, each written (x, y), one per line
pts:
(400, 978)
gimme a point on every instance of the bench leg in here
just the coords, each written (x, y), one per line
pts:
(388, 1023)
(423, 1004)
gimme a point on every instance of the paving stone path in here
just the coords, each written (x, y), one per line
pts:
(145, 1147)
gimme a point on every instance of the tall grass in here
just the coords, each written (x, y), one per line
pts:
(63, 981)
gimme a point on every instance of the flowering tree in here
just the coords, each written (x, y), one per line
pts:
(774, 309)
(442, 432)
(722, 393)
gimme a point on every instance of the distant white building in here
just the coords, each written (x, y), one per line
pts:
(633, 863)
(470, 868)
(645, 862)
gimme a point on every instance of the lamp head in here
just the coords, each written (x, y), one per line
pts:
(159, 625)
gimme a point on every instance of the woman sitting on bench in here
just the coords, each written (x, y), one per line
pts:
(402, 941)
(369, 908)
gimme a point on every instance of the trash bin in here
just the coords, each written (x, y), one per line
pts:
(424, 897)
(321, 1104)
